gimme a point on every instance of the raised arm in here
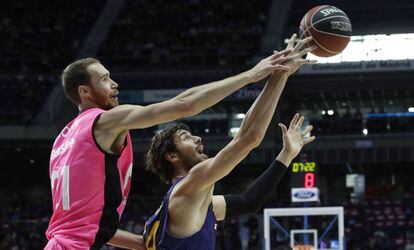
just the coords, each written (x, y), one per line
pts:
(260, 190)
(190, 102)
(251, 133)
(190, 195)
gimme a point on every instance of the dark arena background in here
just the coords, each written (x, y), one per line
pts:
(361, 104)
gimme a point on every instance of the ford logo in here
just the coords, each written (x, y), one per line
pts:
(304, 194)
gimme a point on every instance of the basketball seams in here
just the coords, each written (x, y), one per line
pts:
(303, 33)
(308, 24)
(304, 28)
(323, 19)
(333, 34)
(310, 20)
(316, 11)
(323, 6)
(322, 47)
(312, 15)
(307, 44)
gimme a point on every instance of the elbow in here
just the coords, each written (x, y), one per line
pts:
(252, 210)
(257, 139)
(250, 140)
(254, 138)
(251, 207)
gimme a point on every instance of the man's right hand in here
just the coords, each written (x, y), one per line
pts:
(265, 67)
(298, 49)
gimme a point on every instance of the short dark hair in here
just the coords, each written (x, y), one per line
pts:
(74, 75)
(161, 144)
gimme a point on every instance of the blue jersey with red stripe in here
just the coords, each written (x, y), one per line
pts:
(157, 237)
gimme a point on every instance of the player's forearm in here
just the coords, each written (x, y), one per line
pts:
(261, 112)
(127, 240)
(257, 193)
(285, 158)
(202, 97)
(251, 133)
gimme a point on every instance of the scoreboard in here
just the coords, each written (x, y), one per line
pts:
(305, 182)
(304, 175)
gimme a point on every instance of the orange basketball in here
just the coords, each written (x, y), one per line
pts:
(330, 28)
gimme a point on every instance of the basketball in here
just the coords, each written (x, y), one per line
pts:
(330, 28)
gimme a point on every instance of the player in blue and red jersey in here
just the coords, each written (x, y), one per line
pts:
(187, 216)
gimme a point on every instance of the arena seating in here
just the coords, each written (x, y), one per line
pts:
(184, 33)
(42, 36)
(384, 222)
(38, 39)
(22, 97)
(373, 224)
(346, 125)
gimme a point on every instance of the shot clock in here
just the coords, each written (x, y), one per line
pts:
(304, 175)
(304, 182)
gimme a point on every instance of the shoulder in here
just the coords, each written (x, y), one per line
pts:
(112, 119)
(91, 111)
(89, 115)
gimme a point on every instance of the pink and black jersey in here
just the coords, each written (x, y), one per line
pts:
(89, 187)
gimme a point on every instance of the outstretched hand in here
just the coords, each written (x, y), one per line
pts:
(298, 49)
(287, 61)
(294, 138)
(270, 64)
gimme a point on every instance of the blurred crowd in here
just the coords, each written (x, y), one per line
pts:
(381, 224)
(23, 97)
(376, 224)
(184, 33)
(358, 123)
(23, 221)
(347, 123)
(38, 39)
(42, 36)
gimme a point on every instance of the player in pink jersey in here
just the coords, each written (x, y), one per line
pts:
(91, 159)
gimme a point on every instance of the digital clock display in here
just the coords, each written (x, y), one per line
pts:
(304, 175)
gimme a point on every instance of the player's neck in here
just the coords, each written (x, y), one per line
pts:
(179, 172)
(87, 105)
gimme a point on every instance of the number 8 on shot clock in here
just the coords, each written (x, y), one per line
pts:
(304, 182)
